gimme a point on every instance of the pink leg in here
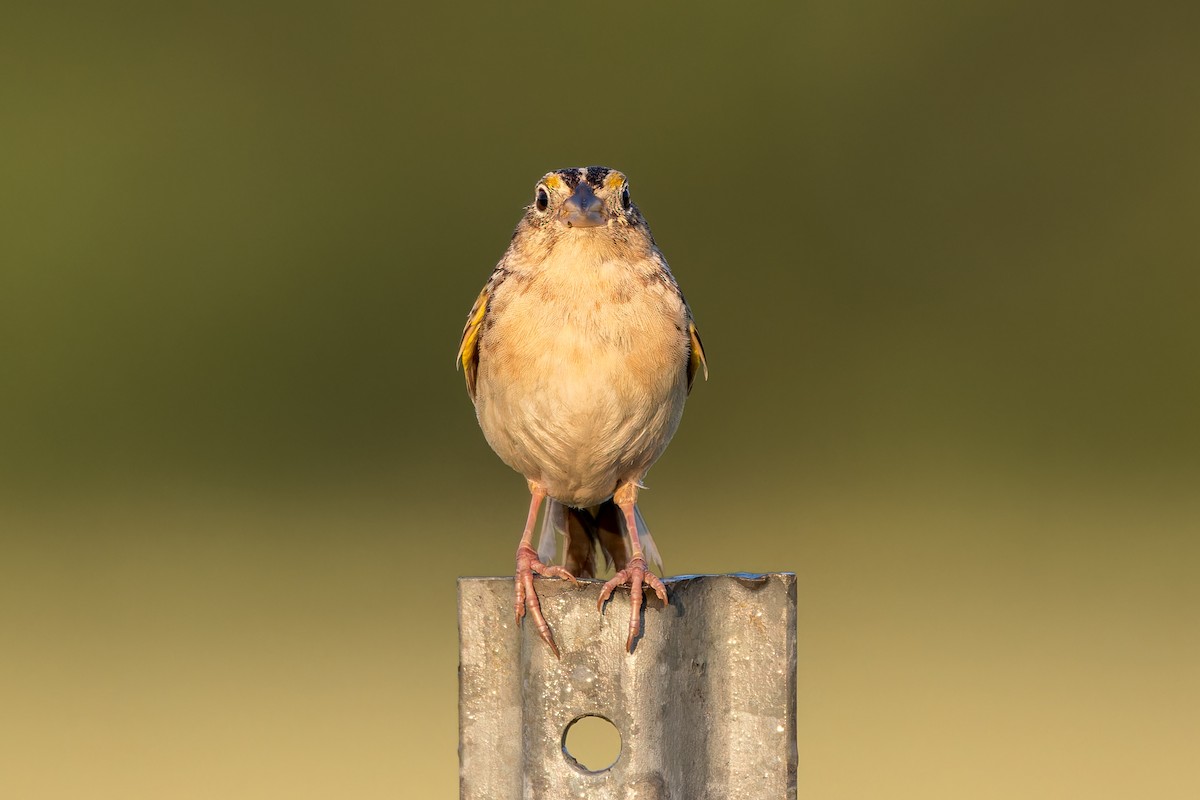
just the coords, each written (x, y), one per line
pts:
(528, 564)
(635, 572)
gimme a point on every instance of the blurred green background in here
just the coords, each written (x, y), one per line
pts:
(944, 257)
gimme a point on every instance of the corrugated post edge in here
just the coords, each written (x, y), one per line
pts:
(705, 705)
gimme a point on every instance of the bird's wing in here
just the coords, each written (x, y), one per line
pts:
(696, 360)
(468, 347)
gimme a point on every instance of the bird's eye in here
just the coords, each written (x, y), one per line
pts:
(625, 201)
(542, 199)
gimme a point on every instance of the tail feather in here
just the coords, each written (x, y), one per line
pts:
(651, 549)
(554, 521)
(580, 555)
(610, 535)
(585, 529)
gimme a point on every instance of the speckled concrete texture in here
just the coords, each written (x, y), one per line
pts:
(705, 705)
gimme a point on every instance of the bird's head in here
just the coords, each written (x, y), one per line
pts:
(583, 199)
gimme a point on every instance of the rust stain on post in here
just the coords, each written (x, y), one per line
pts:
(705, 705)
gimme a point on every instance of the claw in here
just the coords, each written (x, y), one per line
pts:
(527, 565)
(635, 574)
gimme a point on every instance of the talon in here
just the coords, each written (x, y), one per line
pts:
(528, 565)
(606, 591)
(554, 572)
(635, 574)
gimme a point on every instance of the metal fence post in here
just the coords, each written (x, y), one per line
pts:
(705, 706)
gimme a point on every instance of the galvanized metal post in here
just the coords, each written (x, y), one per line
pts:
(705, 706)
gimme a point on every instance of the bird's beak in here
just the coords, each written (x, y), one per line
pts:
(583, 209)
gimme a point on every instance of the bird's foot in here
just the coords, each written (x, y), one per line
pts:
(527, 565)
(635, 574)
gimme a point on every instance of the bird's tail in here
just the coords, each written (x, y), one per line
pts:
(585, 529)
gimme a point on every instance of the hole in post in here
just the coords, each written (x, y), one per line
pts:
(592, 743)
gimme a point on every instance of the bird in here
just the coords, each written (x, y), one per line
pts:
(579, 354)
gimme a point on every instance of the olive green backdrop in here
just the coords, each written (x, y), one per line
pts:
(944, 257)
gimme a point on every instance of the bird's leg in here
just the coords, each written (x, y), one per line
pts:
(528, 564)
(635, 572)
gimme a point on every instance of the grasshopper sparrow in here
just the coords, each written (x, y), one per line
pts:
(579, 354)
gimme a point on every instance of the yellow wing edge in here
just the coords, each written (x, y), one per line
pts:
(468, 346)
(696, 361)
